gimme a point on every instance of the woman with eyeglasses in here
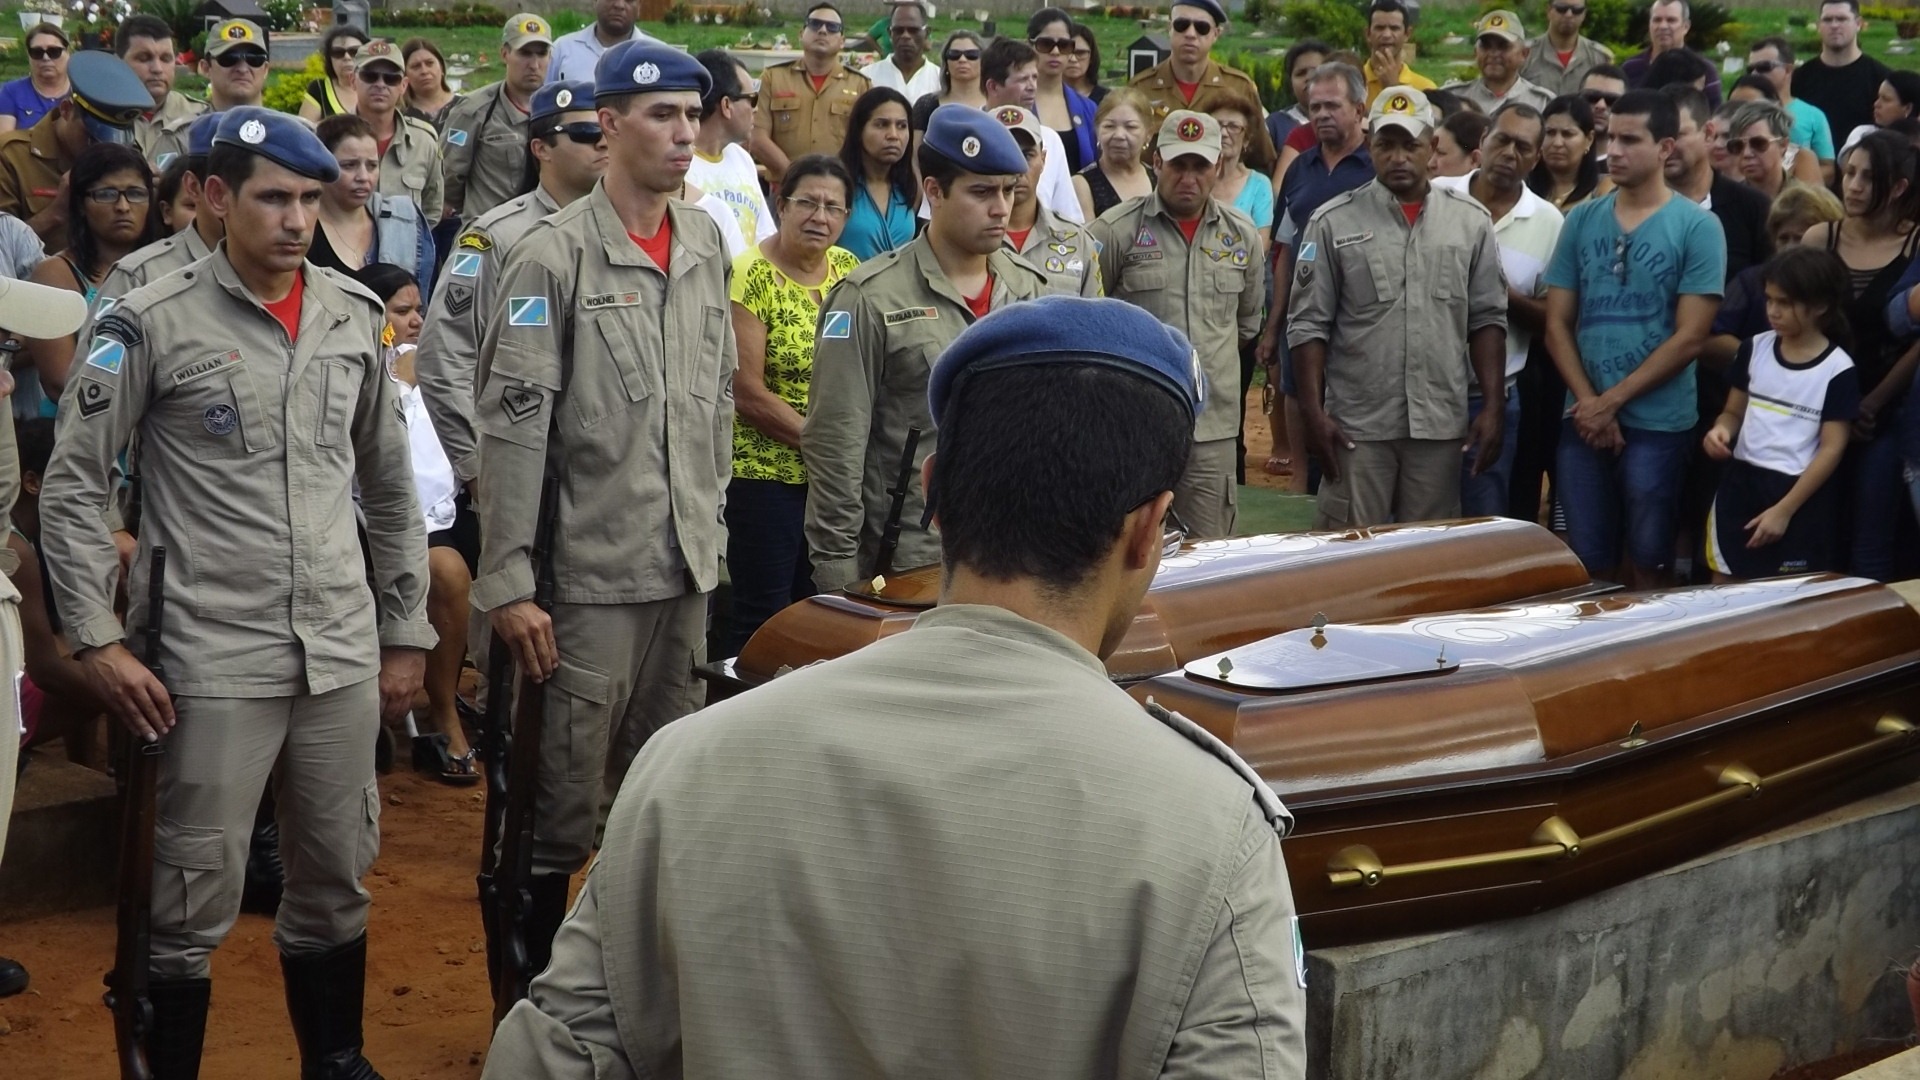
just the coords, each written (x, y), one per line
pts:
(24, 101)
(1083, 69)
(1756, 142)
(358, 226)
(1059, 106)
(409, 148)
(1120, 172)
(885, 193)
(334, 93)
(1569, 172)
(959, 61)
(429, 98)
(777, 291)
(1877, 240)
(110, 213)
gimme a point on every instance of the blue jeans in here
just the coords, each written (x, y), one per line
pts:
(1486, 495)
(766, 553)
(1632, 496)
(1872, 472)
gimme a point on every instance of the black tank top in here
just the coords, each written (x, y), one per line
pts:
(1105, 197)
(1875, 349)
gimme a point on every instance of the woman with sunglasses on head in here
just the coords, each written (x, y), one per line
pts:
(1059, 106)
(1569, 172)
(429, 98)
(110, 213)
(24, 101)
(334, 93)
(357, 225)
(410, 162)
(885, 192)
(1083, 69)
(777, 290)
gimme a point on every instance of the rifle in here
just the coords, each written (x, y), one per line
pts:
(138, 774)
(903, 483)
(509, 892)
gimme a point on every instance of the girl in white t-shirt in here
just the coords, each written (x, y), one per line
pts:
(1793, 401)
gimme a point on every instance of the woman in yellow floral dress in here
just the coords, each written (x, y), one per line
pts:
(777, 290)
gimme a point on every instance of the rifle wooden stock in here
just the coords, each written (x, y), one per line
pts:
(511, 885)
(903, 483)
(139, 769)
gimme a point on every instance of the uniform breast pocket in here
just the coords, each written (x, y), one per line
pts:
(841, 111)
(1143, 277)
(1227, 283)
(909, 362)
(338, 399)
(786, 112)
(415, 178)
(1365, 281)
(223, 414)
(622, 377)
(1451, 274)
(709, 362)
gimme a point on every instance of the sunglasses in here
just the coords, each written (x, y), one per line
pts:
(584, 132)
(1598, 97)
(752, 100)
(1056, 45)
(1765, 67)
(907, 31)
(1620, 259)
(963, 54)
(825, 26)
(1173, 533)
(344, 52)
(1758, 144)
(1569, 9)
(1202, 27)
(47, 52)
(107, 196)
(388, 78)
(250, 57)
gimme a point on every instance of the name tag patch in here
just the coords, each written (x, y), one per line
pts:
(201, 368)
(1351, 239)
(1134, 258)
(464, 264)
(106, 354)
(527, 311)
(837, 325)
(607, 300)
(907, 315)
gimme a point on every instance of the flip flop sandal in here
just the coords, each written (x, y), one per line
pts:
(460, 770)
(1279, 466)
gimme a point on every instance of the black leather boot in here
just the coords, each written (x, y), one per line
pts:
(179, 1027)
(325, 995)
(266, 876)
(543, 920)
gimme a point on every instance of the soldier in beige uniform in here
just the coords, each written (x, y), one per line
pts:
(189, 245)
(960, 850)
(880, 330)
(484, 148)
(1190, 78)
(1193, 262)
(805, 103)
(571, 152)
(255, 383)
(145, 42)
(609, 363)
(1398, 295)
(1063, 252)
(410, 161)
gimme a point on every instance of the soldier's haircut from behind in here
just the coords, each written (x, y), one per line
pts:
(1039, 466)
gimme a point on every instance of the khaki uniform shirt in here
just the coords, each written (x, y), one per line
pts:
(624, 376)
(1211, 291)
(31, 164)
(155, 261)
(880, 331)
(800, 121)
(162, 136)
(1163, 95)
(1063, 252)
(411, 167)
(249, 450)
(1543, 64)
(466, 296)
(960, 850)
(1488, 102)
(1395, 305)
(484, 152)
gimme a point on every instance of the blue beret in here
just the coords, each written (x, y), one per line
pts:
(975, 141)
(644, 67)
(1072, 330)
(279, 138)
(200, 134)
(1211, 7)
(558, 97)
(110, 96)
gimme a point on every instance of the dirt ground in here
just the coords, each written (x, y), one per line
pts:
(428, 1010)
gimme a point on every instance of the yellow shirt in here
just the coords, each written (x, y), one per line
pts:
(1408, 77)
(789, 313)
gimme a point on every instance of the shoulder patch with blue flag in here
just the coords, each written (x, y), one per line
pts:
(464, 264)
(107, 354)
(527, 311)
(837, 325)
(1309, 251)
(456, 137)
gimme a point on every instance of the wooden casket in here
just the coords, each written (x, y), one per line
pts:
(1446, 769)
(1218, 594)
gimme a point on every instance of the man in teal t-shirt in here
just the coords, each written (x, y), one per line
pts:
(1632, 290)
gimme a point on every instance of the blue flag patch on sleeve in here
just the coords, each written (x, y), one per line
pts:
(106, 354)
(527, 311)
(464, 264)
(837, 325)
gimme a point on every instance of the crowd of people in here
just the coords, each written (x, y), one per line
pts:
(712, 316)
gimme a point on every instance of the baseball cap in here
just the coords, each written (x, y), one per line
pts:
(40, 311)
(1187, 132)
(524, 28)
(1500, 24)
(378, 51)
(1401, 107)
(234, 33)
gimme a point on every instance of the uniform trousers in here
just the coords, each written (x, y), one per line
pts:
(12, 663)
(1206, 498)
(626, 671)
(319, 750)
(1392, 480)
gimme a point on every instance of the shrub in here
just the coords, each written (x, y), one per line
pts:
(1339, 24)
(450, 17)
(282, 14)
(286, 88)
(1268, 73)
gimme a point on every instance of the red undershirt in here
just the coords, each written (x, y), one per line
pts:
(383, 144)
(983, 303)
(287, 308)
(1412, 210)
(1187, 90)
(1019, 238)
(819, 82)
(1565, 57)
(1188, 228)
(659, 245)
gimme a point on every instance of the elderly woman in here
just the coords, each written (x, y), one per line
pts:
(334, 93)
(24, 101)
(409, 148)
(777, 291)
(358, 225)
(1121, 133)
(1756, 141)
(429, 98)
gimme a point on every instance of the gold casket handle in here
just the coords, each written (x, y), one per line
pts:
(1360, 866)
